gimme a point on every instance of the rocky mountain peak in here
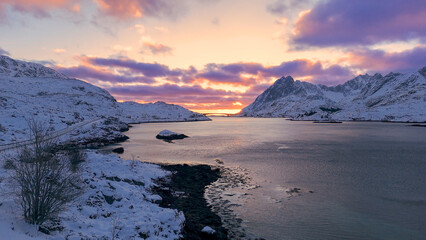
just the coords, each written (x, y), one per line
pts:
(284, 81)
(393, 97)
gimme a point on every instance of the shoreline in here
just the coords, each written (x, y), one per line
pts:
(184, 190)
(342, 120)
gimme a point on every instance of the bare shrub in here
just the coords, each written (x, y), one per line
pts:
(76, 157)
(44, 177)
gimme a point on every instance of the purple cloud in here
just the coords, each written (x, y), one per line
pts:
(381, 61)
(250, 68)
(88, 73)
(165, 90)
(39, 9)
(147, 69)
(218, 76)
(355, 22)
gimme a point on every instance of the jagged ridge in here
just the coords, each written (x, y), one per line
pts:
(394, 97)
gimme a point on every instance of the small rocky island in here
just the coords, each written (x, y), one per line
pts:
(169, 135)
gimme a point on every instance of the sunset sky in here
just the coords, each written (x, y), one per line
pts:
(213, 55)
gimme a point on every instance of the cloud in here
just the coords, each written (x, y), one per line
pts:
(39, 8)
(125, 9)
(280, 6)
(166, 90)
(195, 96)
(219, 77)
(147, 69)
(4, 52)
(381, 61)
(59, 50)
(313, 71)
(354, 22)
(95, 75)
(157, 48)
(120, 9)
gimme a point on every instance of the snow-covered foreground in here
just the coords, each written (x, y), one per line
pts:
(116, 199)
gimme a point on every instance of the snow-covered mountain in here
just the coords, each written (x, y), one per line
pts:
(30, 90)
(394, 97)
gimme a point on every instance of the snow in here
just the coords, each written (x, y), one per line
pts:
(208, 230)
(158, 112)
(134, 210)
(167, 133)
(394, 97)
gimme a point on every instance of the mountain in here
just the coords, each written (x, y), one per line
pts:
(33, 91)
(394, 97)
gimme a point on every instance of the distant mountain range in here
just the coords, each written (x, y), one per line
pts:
(394, 97)
(31, 90)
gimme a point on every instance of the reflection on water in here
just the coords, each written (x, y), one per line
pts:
(367, 178)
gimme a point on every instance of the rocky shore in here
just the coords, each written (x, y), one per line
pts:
(184, 191)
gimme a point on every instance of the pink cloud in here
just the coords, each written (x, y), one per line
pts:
(125, 9)
(157, 48)
(40, 8)
(381, 61)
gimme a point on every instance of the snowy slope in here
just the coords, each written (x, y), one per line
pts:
(157, 112)
(394, 97)
(117, 194)
(30, 90)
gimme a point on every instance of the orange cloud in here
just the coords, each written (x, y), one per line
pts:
(157, 48)
(59, 50)
(122, 8)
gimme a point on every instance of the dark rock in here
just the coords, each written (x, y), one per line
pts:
(109, 199)
(118, 150)
(172, 137)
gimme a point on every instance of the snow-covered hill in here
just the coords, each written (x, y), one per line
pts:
(394, 97)
(30, 90)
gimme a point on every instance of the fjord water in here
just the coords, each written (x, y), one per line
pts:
(368, 178)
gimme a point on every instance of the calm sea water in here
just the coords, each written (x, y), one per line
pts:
(368, 178)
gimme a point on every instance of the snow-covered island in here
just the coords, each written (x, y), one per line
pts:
(117, 199)
(395, 97)
(170, 135)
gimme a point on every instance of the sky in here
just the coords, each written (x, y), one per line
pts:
(213, 56)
